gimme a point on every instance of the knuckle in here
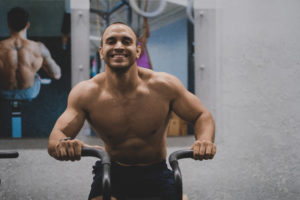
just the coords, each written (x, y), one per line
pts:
(68, 144)
(75, 144)
(63, 144)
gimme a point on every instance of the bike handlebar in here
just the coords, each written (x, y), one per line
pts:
(105, 162)
(98, 153)
(9, 154)
(173, 160)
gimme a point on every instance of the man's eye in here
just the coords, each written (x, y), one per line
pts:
(126, 42)
(110, 41)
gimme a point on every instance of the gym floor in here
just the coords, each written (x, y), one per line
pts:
(234, 173)
(35, 175)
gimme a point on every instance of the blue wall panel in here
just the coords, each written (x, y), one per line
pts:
(167, 47)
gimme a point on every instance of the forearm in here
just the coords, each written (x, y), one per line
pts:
(204, 127)
(95, 146)
(55, 137)
(62, 147)
(49, 64)
(52, 68)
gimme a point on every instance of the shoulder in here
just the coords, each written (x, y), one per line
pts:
(81, 93)
(85, 90)
(27, 45)
(35, 47)
(39, 44)
(164, 83)
(165, 80)
(157, 77)
(43, 50)
(4, 44)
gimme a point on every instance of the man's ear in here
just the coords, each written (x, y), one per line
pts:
(138, 51)
(100, 50)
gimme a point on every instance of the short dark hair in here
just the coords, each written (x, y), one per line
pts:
(17, 18)
(118, 22)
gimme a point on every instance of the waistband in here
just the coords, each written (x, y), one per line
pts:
(23, 94)
(159, 165)
(116, 168)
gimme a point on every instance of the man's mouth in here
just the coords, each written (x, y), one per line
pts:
(119, 55)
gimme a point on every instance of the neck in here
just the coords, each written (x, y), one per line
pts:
(20, 34)
(122, 82)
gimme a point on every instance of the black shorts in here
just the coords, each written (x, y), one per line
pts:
(137, 182)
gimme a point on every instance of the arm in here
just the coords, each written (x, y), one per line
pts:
(49, 65)
(189, 107)
(68, 125)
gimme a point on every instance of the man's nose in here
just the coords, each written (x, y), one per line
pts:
(119, 45)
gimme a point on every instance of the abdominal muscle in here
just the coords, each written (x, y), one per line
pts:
(137, 152)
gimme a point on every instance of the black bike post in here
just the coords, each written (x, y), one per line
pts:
(173, 160)
(105, 162)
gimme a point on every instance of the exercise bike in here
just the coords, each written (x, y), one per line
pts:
(105, 162)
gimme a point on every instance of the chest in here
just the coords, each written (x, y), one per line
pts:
(144, 113)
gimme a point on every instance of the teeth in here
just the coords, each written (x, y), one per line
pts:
(119, 55)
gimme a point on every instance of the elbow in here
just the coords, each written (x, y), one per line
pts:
(57, 76)
(51, 149)
(206, 117)
(209, 118)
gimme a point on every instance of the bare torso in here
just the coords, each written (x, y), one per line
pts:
(20, 59)
(132, 127)
(129, 108)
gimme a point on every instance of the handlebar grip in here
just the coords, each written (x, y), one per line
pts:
(93, 152)
(105, 162)
(173, 160)
(9, 154)
(180, 154)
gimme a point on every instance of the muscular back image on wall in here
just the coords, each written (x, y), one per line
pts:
(34, 67)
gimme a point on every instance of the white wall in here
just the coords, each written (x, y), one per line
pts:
(251, 83)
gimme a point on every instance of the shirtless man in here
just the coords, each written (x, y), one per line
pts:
(20, 59)
(129, 108)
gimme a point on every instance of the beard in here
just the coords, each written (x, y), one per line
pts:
(119, 70)
(120, 65)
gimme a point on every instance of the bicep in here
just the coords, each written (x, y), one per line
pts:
(187, 105)
(44, 50)
(70, 122)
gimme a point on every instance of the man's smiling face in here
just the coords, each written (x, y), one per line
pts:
(119, 48)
